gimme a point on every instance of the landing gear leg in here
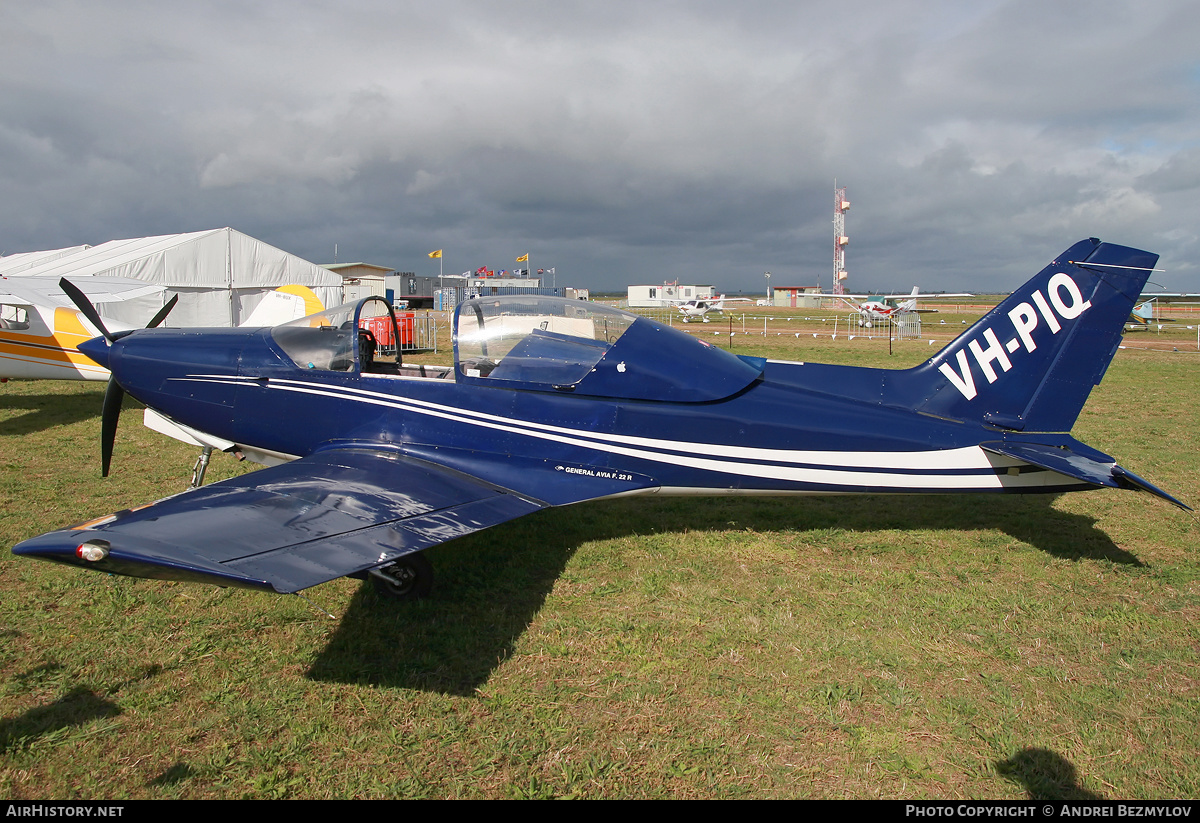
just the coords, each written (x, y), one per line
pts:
(201, 467)
(409, 578)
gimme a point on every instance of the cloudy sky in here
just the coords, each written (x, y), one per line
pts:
(620, 142)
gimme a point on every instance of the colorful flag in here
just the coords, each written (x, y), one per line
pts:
(435, 254)
(524, 258)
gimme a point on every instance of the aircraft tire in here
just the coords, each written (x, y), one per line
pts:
(409, 578)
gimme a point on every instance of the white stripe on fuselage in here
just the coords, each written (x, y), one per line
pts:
(836, 468)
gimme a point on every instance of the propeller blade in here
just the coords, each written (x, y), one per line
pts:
(162, 313)
(84, 305)
(114, 396)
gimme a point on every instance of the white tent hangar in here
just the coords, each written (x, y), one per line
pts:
(16, 264)
(220, 275)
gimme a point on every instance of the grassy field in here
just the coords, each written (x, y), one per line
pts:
(901, 647)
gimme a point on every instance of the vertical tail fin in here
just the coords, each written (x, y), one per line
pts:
(1030, 363)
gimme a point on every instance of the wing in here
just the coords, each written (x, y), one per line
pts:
(933, 295)
(45, 291)
(293, 526)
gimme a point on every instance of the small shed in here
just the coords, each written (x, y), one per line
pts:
(797, 297)
(361, 280)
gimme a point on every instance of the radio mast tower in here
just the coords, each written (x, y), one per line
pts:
(840, 206)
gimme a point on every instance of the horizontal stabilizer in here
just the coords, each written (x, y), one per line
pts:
(1073, 459)
(1129, 480)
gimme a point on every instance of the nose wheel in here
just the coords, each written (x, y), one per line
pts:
(409, 578)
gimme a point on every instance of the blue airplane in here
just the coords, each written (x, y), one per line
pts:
(552, 402)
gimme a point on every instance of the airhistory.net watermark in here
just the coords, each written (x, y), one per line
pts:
(61, 810)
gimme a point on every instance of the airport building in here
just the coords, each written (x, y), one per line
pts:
(796, 297)
(641, 297)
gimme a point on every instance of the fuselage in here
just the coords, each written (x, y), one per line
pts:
(793, 429)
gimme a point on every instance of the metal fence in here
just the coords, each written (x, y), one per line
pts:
(418, 331)
(908, 327)
(905, 327)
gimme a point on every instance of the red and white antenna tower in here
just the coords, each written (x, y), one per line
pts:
(840, 206)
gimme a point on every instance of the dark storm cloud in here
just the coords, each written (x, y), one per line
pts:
(619, 142)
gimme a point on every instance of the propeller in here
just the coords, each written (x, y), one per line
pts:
(85, 306)
(163, 312)
(114, 395)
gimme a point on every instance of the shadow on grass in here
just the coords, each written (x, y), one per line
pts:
(1029, 518)
(178, 773)
(77, 707)
(488, 588)
(38, 412)
(1046, 775)
(492, 584)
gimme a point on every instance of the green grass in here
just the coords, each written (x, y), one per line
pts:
(929, 646)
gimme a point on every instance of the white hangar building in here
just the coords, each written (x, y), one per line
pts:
(220, 275)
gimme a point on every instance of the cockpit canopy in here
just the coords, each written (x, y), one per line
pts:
(532, 343)
(343, 338)
(548, 343)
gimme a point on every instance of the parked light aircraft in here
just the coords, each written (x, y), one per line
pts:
(552, 401)
(878, 308)
(1142, 316)
(40, 329)
(700, 308)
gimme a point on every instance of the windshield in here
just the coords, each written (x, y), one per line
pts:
(344, 338)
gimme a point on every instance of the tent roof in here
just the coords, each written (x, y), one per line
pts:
(18, 263)
(218, 257)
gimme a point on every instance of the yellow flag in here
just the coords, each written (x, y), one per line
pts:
(436, 254)
(524, 258)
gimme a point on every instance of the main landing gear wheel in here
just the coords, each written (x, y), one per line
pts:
(409, 578)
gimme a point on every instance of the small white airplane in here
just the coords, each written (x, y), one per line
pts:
(700, 308)
(40, 328)
(878, 308)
